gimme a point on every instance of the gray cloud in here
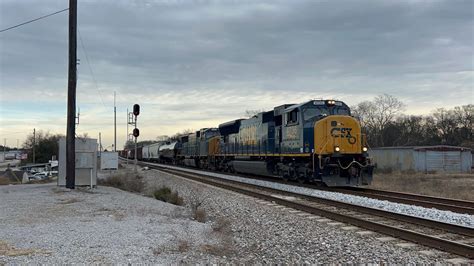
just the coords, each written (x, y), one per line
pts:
(421, 52)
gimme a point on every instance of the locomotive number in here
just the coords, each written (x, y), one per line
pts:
(343, 132)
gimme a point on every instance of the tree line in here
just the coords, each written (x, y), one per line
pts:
(382, 120)
(385, 124)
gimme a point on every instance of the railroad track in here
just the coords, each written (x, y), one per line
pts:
(453, 205)
(459, 206)
(443, 236)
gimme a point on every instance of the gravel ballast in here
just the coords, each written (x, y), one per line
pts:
(417, 211)
(263, 232)
(56, 225)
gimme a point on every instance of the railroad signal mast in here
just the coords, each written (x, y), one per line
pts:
(132, 120)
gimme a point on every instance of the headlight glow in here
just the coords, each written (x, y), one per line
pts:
(364, 148)
(337, 148)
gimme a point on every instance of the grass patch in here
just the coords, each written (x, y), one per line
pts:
(8, 250)
(69, 201)
(167, 195)
(456, 186)
(124, 181)
(222, 225)
(200, 215)
(4, 181)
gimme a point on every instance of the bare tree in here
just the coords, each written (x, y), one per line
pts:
(252, 113)
(446, 124)
(182, 133)
(376, 115)
(161, 138)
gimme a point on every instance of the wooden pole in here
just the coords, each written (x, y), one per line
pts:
(71, 98)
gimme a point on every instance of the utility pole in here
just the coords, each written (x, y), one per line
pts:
(4, 149)
(100, 145)
(115, 125)
(126, 137)
(34, 144)
(71, 98)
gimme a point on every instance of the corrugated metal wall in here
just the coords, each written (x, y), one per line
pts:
(422, 160)
(443, 161)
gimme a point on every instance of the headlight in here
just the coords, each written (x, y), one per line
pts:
(337, 148)
(364, 149)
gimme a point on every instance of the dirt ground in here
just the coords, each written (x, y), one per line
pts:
(456, 186)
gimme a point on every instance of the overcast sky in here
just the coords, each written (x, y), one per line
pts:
(193, 64)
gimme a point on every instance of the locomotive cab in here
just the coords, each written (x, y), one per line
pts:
(325, 131)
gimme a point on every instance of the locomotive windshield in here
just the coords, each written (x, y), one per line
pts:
(311, 112)
(341, 110)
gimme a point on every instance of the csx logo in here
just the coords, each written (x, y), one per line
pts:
(343, 132)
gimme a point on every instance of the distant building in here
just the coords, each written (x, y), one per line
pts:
(424, 159)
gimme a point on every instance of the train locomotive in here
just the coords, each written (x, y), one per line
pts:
(315, 141)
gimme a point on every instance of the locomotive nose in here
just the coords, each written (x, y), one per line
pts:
(337, 134)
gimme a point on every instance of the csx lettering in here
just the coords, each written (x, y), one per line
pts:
(341, 132)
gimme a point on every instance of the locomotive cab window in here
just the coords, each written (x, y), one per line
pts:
(309, 113)
(341, 111)
(292, 117)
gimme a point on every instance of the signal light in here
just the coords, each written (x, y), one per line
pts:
(136, 132)
(136, 109)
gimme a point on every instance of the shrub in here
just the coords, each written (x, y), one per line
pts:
(183, 246)
(222, 225)
(127, 182)
(200, 215)
(167, 195)
(4, 181)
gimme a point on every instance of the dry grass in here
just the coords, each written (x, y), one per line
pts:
(119, 216)
(42, 181)
(200, 215)
(223, 249)
(4, 181)
(8, 250)
(456, 186)
(69, 201)
(183, 245)
(222, 225)
(124, 181)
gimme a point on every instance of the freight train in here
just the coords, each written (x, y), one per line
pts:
(315, 141)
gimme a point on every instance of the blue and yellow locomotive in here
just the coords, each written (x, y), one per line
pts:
(317, 140)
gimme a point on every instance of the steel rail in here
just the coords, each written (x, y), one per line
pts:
(454, 205)
(423, 239)
(459, 206)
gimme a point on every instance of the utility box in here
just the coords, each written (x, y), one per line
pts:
(86, 162)
(109, 161)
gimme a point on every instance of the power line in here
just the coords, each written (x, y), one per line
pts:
(90, 68)
(33, 20)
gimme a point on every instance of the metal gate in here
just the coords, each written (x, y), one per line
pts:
(443, 161)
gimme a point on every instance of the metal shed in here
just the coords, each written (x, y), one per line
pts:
(425, 159)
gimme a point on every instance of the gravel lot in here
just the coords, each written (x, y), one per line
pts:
(52, 225)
